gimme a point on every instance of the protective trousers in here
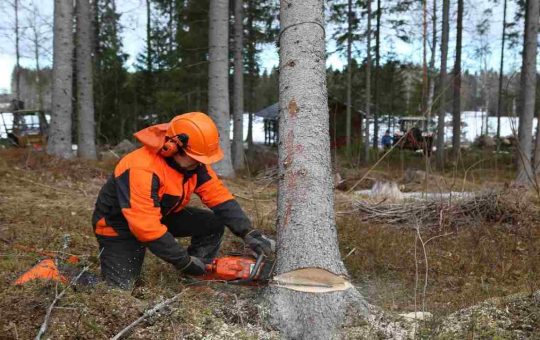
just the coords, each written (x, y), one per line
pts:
(122, 256)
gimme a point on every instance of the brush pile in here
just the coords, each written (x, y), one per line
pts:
(507, 206)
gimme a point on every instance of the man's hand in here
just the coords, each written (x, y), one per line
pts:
(195, 267)
(259, 243)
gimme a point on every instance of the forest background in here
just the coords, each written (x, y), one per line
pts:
(151, 58)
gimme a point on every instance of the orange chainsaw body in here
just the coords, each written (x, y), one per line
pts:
(229, 268)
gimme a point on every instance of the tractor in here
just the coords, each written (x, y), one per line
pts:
(25, 128)
(415, 133)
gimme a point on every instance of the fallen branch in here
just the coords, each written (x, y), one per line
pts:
(493, 206)
(148, 313)
(57, 298)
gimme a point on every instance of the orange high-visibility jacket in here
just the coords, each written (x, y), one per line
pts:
(145, 187)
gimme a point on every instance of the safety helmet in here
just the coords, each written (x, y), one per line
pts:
(196, 134)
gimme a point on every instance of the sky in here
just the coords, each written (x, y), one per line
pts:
(133, 18)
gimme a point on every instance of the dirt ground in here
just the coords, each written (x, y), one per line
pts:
(46, 204)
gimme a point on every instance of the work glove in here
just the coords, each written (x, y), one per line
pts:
(259, 243)
(195, 267)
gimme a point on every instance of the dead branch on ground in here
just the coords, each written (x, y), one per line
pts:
(148, 313)
(504, 206)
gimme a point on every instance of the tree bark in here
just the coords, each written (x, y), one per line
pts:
(307, 236)
(218, 80)
(424, 60)
(376, 76)
(36, 41)
(442, 84)
(238, 129)
(525, 172)
(431, 74)
(85, 91)
(349, 79)
(251, 52)
(17, 52)
(501, 75)
(60, 140)
(368, 84)
(456, 111)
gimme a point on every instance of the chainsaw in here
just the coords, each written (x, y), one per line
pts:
(237, 269)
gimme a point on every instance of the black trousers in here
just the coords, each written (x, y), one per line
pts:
(122, 256)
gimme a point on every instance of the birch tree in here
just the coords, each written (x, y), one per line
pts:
(85, 93)
(218, 80)
(59, 143)
(442, 83)
(527, 94)
(307, 237)
(238, 114)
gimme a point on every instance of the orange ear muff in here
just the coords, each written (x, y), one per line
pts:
(169, 148)
(174, 144)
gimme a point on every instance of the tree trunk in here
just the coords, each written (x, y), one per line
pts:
(424, 59)
(349, 80)
(36, 47)
(431, 74)
(456, 111)
(59, 143)
(149, 84)
(368, 84)
(85, 91)
(251, 51)
(17, 52)
(238, 131)
(527, 95)
(218, 80)
(376, 77)
(307, 237)
(442, 84)
(501, 75)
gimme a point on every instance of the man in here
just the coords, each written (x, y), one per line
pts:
(387, 140)
(144, 204)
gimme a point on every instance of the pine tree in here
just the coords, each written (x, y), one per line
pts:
(307, 239)
(218, 80)
(60, 139)
(85, 94)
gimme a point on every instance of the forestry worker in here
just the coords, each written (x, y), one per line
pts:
(144, 204)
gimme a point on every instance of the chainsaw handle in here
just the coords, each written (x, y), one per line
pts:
(253, 274)
(257, 266)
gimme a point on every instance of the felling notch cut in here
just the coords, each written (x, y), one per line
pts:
(311, 280)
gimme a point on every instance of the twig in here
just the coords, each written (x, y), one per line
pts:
(148, 313)
(376, 163)
(350, 253)
(253, 199)
(41, 185)
(415, 282)
(436, 236)
(426, 270)
(57, 298)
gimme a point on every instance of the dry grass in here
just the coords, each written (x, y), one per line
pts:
(42, 199)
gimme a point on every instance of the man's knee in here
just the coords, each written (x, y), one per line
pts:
(121, 261)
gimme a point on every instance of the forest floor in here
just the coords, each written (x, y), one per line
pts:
(478, 274)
